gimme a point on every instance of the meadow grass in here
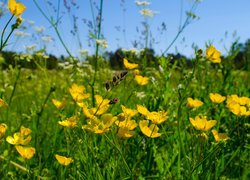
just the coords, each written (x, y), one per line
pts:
(86, 121)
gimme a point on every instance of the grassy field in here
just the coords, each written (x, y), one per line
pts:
(105, 132)
(155, 118)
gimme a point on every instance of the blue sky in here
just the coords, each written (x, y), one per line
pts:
(219, 21)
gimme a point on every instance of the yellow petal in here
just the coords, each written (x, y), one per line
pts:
(129, 65)
(26, 152)
(65, 161)
(16, 8)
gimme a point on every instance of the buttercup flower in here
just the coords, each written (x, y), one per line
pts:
(129, 65)
(128, 113)
(65, 161)
(16, 8)
(240, 106)
(219, 136)
(20, 138)
(151, 131)
(100, 126)
(141, 80)
(155, 117)
(59, 104)
(125, 128)
(201, 123)
(77, 92)
(26, 152)
(3, 128)
(213, 54)
(217, 98)
(70, 122)
(102, 106)
(194, 103)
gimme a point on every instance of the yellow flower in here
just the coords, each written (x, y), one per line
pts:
(20, 138)
(124, 133)
(128, 113)
(16, 8)
(141, 80)
(216, 98)
(219, 136)
(59, 104)
(130, 124)
(70, 122)
(100, 126)
(65, 161)
(26, 152)
(3, 128)
(213, 54)
(129, 65)
(151, 131)
(25, 131)
(77, 92)
(102, 106)
(238, 105)
(202, 124)
(3, 103)
(155, 117)
(194, 103)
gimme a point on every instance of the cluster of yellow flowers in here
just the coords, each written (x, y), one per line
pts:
(141, 80)
(240, 106)
(21, 139)
(201, 123)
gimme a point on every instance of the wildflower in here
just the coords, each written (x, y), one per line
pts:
(77, 92)
(148, 13)
(155, 117)
(65, 161)
(194, 103)
(25, 131)
(26, 152)
(240, 106)
(142, 3)
(125, 128)
(3, 128)
(217, 98)
(151, 131)
(16, 8)
(129, 65)
(219, 136)
(59, 104)
(141, 80)
(100, 126)
(213, 54)
(69, 122)
(101, 108)
(202, 124)
(128, 113)
(20, 138)
(102, 42)
(3, 103)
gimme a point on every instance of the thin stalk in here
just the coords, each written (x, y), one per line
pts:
(54, 25)
(2, 36)
(97, 52)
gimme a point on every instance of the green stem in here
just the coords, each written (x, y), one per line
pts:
(54, 25)
(97, 52)
(2, 36)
